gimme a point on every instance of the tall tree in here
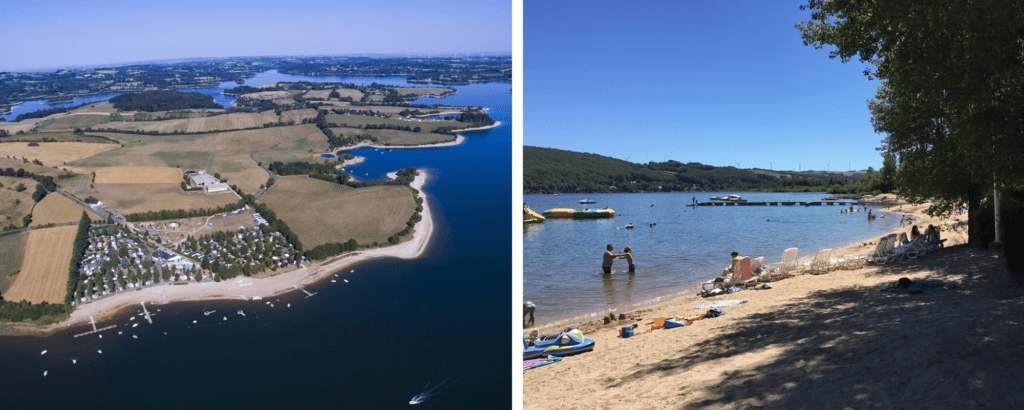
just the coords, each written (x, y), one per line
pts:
(951, 99)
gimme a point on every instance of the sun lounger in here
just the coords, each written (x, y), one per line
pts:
(879, 255)
(917, 247)
(820, 263)
(742, 277)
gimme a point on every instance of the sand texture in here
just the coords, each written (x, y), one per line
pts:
(815, 342)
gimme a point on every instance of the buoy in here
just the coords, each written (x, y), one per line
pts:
(193, 322)
(225, 318)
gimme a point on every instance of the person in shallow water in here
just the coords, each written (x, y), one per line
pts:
(628, 255)
(528, 309)
(609, 257)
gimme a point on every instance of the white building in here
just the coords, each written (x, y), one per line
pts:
(217, 187)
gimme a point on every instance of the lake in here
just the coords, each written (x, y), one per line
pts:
(562, 258)
(226, 100)
(371, 343)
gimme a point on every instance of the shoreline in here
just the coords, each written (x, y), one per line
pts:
(810, 341)
(855, 248)
(240, 288)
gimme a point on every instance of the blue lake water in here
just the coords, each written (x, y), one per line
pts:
(226, 100)
(371, 343)
(562, 258)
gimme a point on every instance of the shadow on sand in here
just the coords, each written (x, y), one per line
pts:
(862, 348)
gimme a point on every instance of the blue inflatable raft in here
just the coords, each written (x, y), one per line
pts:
(569, 342)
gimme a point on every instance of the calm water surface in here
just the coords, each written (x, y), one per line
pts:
(371, 343)
(562, 258)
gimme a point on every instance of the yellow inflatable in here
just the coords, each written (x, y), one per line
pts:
(530, 214)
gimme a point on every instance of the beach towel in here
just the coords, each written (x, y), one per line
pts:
(721, 303)
(532, 363)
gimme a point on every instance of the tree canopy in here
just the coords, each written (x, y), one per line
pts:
(951, 99)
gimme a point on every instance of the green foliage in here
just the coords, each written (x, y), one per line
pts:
(181, 213)
(77, 251)
(951, 95)
(162, 101)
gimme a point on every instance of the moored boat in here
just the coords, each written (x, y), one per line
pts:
(588, 201)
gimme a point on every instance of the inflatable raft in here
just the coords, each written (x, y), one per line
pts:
(580, 213)
(569, 342)
(529, 214)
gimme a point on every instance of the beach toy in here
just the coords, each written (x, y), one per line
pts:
(569, 342)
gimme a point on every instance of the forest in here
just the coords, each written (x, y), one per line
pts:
(152, 101)
(548, 170)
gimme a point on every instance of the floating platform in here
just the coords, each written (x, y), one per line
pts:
(777, 203)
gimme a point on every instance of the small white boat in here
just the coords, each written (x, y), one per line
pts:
(352, 271)
(132, 318)
(134, 337)
(74, 361)
(346, 280)
(289, 305)
(44, 352)
(45, 372)
(99, 351)
(135, 325)
(588, 201)
(333, 281)
(101, 336)
(120, 332)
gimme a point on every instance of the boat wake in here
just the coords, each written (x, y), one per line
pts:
(447, 381)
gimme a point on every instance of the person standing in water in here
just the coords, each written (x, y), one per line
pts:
(628, 255)
(609, 257)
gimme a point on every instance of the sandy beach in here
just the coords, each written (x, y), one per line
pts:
(815, 341)
(244, 288)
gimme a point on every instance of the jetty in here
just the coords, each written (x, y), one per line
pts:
(775, 203)
(307, 292)
(146, 312)
(94, 329)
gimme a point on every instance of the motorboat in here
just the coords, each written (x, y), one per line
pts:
(588, 201)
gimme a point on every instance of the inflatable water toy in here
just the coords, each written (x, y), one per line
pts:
(580, 213)
(531, 214)
(569, 342)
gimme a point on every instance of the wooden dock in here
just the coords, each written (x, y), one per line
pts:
(94, 329)
(147, 313)
(307, 292)
(777, 203)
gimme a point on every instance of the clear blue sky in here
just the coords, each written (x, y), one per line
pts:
(717, 82)
(60, 33)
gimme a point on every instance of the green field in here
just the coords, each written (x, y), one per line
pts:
(13, 246)
(58, 137)
(72, 121)
(305, 149)
(322, 212)
(426, 126)
(395, 137)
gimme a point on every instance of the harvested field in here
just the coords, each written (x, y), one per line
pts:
(13, 250)
(307, 149)
(55, 208)
(16, 163)
(135, 198)
(226, 153)
(23, 125)
(321, 94)
(298, 115)
(139, 175)
(321, 212)
(54, 153)
(269, 94)
(44, 269)
(75, 120)
(348, 92)
(15, 205)
(225, 122)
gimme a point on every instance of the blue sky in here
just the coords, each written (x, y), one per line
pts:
(49, 33)
(722, 83)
